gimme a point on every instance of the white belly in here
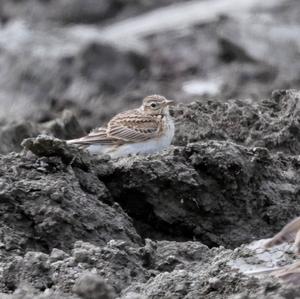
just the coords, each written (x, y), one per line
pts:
(150, 146)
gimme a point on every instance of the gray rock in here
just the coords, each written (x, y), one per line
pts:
(47, 194)
(245, 46)
(59, 10)
(266, 292)
(201, 275)
(271, 123)
(66, 214)
(45, 70)
(88, 270)
(65, 127)
(77, 11)
(178, 270)
(76, 226)
(145, 227)
(12, 135)
(215, 191)
(92, 287)
(179, 193)
(27, 292)
(253, 43)
(158, 269)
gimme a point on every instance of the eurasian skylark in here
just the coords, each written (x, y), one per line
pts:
(145, 130)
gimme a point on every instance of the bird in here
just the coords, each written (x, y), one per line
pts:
(145, 130)
(289, 232)
(288, 273)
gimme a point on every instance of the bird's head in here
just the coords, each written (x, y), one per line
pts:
(156, 104)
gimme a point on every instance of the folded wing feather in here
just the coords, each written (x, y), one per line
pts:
(124, 127)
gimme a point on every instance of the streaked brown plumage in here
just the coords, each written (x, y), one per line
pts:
(288, 273)
(151, 121)
(290, 232)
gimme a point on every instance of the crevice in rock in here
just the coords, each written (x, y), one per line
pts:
(147, 224)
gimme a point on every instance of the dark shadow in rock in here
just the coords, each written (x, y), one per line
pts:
(216, 192)
(146, 222)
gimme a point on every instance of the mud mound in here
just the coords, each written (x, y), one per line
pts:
(272, 123)
(47, 204)
(170, 225)
(66, 214)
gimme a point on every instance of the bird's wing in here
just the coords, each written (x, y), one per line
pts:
(287, 234)
(97, 136)
(134, 126)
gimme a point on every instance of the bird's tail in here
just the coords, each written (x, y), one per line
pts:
(73, 141)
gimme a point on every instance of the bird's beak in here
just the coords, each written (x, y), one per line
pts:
(168, 102)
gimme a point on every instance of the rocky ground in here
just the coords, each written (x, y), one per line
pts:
(184, 223)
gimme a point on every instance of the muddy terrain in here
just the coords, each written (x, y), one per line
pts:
(185, 223)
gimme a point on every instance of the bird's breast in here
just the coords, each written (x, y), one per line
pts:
(169, 127)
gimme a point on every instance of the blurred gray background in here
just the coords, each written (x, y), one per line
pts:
(99, 57)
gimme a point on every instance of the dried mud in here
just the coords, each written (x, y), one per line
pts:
(177, 224)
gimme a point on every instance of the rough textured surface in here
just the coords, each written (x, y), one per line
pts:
(170, 270)
(46, 67)
(272, 123)
(217, 192)
(116, 262)
(170, 225)
(12, 135)
(92, 287)
(47, 203)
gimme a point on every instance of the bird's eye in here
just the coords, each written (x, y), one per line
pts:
(153, 105)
